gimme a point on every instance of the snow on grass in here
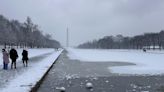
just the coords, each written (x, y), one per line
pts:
(31, 52)
(151, 62)
(25, 81)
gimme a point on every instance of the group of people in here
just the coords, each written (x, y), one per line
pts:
(13, 55)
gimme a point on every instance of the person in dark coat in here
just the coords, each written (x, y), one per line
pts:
(13, 57)
(5, 59)
(144, 50)
(25, 58)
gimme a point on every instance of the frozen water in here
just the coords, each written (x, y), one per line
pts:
(150, 62)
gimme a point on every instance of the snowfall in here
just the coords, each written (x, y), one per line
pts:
(29, 76)
(146, 63)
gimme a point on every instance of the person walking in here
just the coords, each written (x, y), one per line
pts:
(5, 59)
(25, 58)
(13, 57)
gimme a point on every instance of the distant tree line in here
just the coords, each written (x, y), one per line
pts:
(27, 34)
(147, 40)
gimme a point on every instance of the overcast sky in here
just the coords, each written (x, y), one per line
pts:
(88, 19)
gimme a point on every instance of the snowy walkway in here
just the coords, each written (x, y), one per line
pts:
(23, 78)
(10, 74)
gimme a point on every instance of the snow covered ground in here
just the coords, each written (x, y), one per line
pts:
(26, 80)
(31, 52)
(151, 62)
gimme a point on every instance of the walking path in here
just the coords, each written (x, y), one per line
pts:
(23, 78)
(7, 75)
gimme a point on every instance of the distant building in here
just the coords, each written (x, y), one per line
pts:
(152, 47)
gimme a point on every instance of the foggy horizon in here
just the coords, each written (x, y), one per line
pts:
(88, 20)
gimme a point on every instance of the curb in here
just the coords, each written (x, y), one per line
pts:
(37, 85)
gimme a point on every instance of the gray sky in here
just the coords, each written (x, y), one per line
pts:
(88, 19)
